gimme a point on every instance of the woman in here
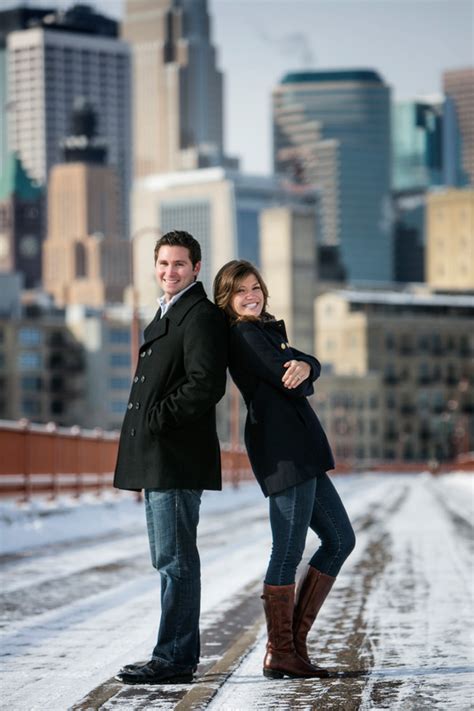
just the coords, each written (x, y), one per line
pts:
(290, 456)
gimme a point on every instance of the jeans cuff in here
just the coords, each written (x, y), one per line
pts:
(172, 665)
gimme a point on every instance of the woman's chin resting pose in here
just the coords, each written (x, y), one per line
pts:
(290, 455)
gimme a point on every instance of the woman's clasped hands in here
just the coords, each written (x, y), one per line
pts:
(296, 372)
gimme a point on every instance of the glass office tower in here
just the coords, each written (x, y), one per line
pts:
(332, 130)
(417, 144)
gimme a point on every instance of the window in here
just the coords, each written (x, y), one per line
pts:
(424, 373)
(56, 360)
(373, 402)
(437, 401)
(464, 346)
(119, 383)
(30, 383)
(57, 407)
(391, 401)
(56, 384)
(117, 407)
(423, 342)
(119, 335)
(120, 360)
(436, 344)
(390, 374)
(30, 407)
(28, 360)
(423, 399)
(406, 345)
(29, 337)
(80, 260)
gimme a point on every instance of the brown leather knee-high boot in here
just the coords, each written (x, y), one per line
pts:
(281, 658)
(313, 589)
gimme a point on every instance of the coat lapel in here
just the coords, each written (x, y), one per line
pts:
(159, 326)
(185, 303)
(156, 329)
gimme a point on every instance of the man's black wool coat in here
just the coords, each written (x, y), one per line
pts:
(168, 438)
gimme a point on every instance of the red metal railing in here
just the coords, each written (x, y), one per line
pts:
(46, 459)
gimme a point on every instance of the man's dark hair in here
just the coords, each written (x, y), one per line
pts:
(180, 238)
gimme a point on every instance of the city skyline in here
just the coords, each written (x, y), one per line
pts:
(377, 34)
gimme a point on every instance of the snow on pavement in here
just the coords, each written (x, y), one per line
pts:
(80, 598)
(408, 622)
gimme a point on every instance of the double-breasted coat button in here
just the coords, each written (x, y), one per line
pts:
(135, 379)
(142, 355)
(137, 406)
(129, 406)
(133, 432)
(142, 379)
(149, 351)
(283, 346)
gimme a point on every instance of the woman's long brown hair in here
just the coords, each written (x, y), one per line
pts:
(226, 283)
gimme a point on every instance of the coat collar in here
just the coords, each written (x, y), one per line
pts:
(276, 326)
(159, 326)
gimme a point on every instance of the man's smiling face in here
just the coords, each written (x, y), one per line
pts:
(174, 270)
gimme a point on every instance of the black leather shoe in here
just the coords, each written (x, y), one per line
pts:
(139, 665)
(133, 667)
(155, 673)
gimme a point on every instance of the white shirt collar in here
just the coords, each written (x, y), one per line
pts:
(166, 305)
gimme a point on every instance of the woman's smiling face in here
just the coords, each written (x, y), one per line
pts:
(247, 300)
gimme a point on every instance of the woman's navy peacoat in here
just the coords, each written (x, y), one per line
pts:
(284, 438)
(168, 438)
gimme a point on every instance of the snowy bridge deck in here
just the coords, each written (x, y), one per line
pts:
(79, 600)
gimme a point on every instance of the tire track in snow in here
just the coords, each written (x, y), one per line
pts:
(424, 608)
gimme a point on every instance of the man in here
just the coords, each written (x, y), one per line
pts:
(169, 447)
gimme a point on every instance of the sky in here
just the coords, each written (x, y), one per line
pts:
(409, 42)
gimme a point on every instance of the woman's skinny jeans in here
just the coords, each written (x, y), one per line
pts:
(313, 504)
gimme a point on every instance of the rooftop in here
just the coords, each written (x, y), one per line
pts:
(332, 75)
(16, 181)
(406, 298)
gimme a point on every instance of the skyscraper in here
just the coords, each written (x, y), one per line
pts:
(458, 87)
(332, 129)
(18, 18)
(85, 261)
(288, 246)
(177, 101)
(72, 54)
(417, 144)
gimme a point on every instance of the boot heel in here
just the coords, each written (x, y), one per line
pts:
(273, 674)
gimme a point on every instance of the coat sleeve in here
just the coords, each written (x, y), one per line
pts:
(205, 363)
(265, 360)
(313, 362)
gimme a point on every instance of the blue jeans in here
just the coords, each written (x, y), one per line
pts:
(172, 517)
(313, 504)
